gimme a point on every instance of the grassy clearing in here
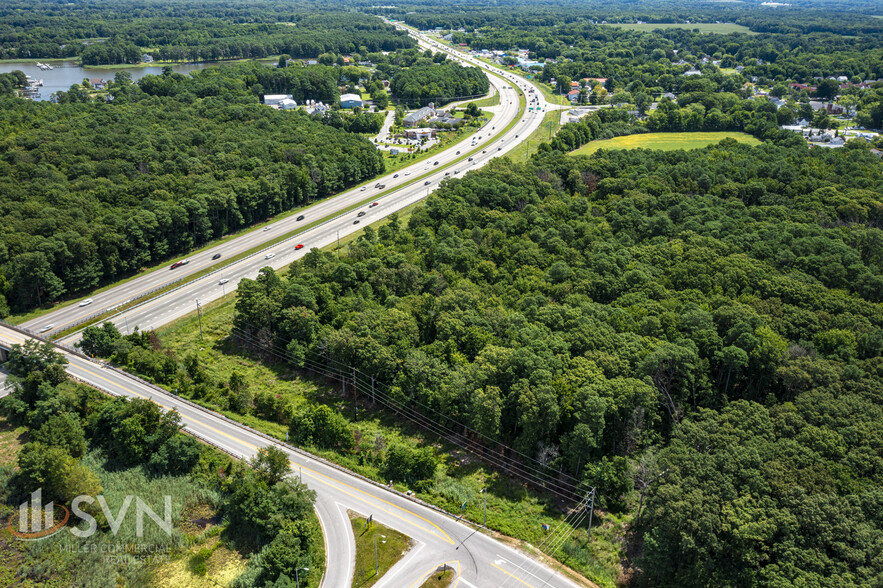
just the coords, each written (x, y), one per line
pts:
(391, 547)
(512, 509)
(664, 141)
(11, 440)
(547, 129)
(439, 579)
(222, 566)
(723, 28)
(492, 100)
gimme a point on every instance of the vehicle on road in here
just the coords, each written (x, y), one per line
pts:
(436, 163)
(266, 229)
(499, 148)
(373, 204)
(381, 186)
(456, 171)
(470, 159)
(485, 151)
(355, 222)
(300, 218)
(86, 302)
(458, 153)
(364, 188)
(270, 256)
(216, 256)
(447, 173)
(223, 281)
(377, 185)
(361, 213)
(427, 182)
(48, 327)
(407, 173)
(516, 136)
(298, 246)
(395, 176)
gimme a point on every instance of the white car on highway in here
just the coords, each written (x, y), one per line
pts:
(270, 256)
(223, 281)
(86, 302)
(48, 327)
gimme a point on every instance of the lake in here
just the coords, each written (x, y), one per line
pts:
(67, 73)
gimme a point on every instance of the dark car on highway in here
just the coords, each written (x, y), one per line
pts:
(216, 256)
(300, 218)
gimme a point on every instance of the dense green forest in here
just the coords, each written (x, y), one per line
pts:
(439, 83)
(844, 17)
(83, 442)
(711, 319)
(95, 190)
(120, 32)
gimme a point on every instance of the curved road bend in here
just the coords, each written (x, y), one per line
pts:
(480, 561)
(399, 192)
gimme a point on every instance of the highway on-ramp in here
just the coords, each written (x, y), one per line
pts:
(479, 561)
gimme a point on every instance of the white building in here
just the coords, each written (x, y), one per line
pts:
(287, 104)
(275, 99)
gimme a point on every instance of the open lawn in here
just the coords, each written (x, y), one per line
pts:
(391, 547)
(664, 141)
(722, 28)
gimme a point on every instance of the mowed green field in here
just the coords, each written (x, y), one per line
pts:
(722, 28)
(664, 141)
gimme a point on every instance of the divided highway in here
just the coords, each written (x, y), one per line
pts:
(402, 189)
(480, 561)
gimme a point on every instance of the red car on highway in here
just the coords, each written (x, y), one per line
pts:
(298, 246)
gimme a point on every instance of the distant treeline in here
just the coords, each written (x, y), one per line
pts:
(438, 82)
(170, 30)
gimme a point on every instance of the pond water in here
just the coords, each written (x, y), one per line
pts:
(66, 73)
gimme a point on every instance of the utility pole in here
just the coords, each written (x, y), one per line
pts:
(199, 314)
(484, 490)
(375, 554)
(591, 511)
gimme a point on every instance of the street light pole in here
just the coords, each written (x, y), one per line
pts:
(297, 577)
(375, 553)
(199, 314)
(484, 491)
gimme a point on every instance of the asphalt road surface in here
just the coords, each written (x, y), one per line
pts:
(480, 561)
(409, 187)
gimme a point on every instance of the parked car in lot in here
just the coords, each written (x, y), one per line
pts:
(216, 256)
(86, 302)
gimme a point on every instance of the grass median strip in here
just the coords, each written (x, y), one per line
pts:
(439, 579)
(378, 548)
(522, 102)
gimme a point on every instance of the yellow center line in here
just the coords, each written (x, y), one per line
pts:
(328, 480)
(511, 575)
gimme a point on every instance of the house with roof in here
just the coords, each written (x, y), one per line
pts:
(97, 83)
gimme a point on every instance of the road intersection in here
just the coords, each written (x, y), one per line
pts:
(479, 560)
